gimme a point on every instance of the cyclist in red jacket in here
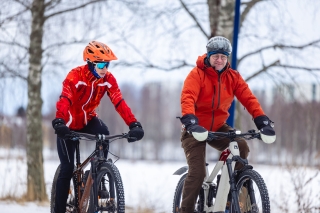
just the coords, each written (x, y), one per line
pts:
(81, 94)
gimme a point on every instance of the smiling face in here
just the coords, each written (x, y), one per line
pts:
(218, 61)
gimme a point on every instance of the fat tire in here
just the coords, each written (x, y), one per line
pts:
(53, 190)
(178, 196)
(109, 170)
(259, 182)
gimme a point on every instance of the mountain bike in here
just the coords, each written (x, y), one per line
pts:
(235, 191)
(98, 189)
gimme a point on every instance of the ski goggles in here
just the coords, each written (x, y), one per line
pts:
(101, 65)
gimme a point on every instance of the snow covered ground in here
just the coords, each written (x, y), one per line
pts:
(151, 184)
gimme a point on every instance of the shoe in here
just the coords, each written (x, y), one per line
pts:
(103, 192)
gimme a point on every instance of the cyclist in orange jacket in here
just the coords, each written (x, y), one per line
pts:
(207, 94)
(82, 91)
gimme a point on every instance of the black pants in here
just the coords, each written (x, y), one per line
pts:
(66, 150)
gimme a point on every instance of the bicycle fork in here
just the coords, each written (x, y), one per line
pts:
(233, 187)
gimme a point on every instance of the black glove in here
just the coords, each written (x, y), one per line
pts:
(60, 128)
(136, 132)
(265, 125)
(190, 122)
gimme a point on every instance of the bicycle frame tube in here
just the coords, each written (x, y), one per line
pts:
(86, 194)
(224, 186)
(82, 200)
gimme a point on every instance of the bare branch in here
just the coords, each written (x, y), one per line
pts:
(298, 67)
(152, 66)
(194, 18)
(278, 64)
(23, 3)
(14, 43)
(73, 9)
(63, 44)
(11, 71)
(249, 6)
(280, 46)
(264, 69)
(51, 4)
(10, 18)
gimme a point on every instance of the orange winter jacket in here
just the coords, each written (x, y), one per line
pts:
(208, 94)
(81, 95)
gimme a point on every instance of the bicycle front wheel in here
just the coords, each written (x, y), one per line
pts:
(252, 193)
(177, 199)
(110, 190)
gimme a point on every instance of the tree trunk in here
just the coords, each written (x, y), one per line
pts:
(35, 175)
(221, 15)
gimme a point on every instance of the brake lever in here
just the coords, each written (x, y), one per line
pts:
(211, 137)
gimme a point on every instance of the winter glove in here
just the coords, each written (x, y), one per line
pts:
(60, 128)
(265, 125)
(136, 132)
(190, 123)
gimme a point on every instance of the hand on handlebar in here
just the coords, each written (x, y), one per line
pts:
(136, 132)
(190, 122)
(265, 125)
(60, 128)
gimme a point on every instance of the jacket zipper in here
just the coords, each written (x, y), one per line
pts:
(214, 93)
(212, 105)
(219, 85)
(85, 114)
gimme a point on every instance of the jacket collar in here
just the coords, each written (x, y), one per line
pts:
(88, 74)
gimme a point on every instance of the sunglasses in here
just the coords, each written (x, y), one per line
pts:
(101, 65)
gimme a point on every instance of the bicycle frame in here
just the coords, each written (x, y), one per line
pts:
(226, 163)
(81, 199)
(95, 158)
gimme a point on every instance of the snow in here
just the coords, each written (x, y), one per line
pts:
(150, 184)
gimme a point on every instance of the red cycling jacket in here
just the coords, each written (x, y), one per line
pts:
(81, 95)
(208, 94)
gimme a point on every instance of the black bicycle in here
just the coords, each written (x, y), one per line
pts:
(98, 189)
(235, 191)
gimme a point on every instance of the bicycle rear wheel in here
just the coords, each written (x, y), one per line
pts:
(110, 190)
(177, 199)
(252, 193)
(71, 201)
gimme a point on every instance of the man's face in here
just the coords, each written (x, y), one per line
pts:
(218, 61)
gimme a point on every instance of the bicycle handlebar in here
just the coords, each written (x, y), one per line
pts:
(99, 137)
(251, 134)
